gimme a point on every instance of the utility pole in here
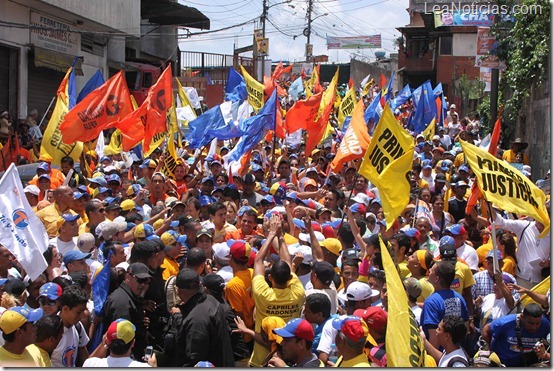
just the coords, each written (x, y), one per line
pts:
(263, 18)
(308, 31)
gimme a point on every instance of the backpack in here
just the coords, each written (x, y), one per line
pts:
(171, 296)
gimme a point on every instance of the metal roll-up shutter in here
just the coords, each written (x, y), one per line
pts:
(9, 73)
(42, 87)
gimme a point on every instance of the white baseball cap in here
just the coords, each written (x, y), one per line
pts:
(32, 189)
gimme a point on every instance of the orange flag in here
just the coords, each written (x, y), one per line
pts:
(245, 163)
(350, 83)
(106, 105)
(287, 70)
(317, 129)
(302, 113)
(493, 149)
(279, 122)
(278, 72)
(355, 140)
(152, 113)
(9, 152)
(382, 81)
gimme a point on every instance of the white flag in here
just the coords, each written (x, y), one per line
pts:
(21, 231)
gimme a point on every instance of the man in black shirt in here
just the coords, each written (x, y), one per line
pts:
(457, 204)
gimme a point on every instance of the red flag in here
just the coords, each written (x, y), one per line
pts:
(302, 113)
(279, 123)
(438, 102)
(287, 70)
(192, 74)
(152, 113)
(493, 149)
(303, 74)
(98, 111)
(382, 81)
(316, 131)
(350, 83)
(9, 152)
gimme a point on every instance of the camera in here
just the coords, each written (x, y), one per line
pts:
(148, 352)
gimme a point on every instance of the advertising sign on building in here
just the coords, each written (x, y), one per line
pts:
(485, 50)
(53, 34)
(354, 42)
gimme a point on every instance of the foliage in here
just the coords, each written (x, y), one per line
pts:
(524, 45)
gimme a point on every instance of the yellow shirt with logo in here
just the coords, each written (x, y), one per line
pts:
(463, 278)
(285, 303)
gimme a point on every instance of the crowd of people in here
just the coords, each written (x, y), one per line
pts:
(278, 267)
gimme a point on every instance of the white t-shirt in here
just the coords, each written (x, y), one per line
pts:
(113, 362)
(443, 362)
(65, 353)
(498, 307)
(63, 247)
(416, 310)
(469, 255)
(328, 335)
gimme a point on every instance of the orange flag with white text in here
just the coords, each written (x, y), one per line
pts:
(355, 141)
(98, 111)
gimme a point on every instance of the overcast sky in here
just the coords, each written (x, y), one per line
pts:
(287, 21)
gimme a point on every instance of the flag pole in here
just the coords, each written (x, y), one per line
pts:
(46, 112)
(494, 247)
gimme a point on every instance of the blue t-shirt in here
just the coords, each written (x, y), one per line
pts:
(439, 304)
(504, 339)
(317, 333)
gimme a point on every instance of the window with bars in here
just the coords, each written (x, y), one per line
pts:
(93, 44)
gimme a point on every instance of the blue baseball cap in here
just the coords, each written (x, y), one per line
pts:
(463, 168)
(113, 178)
(256, 167)
(334, 224)
(44, 176)
(456, 230)
(105, 190)
(145, 231)
(243, 209)
(445, 165)
(296, 327)
(446, 240)
(70, 217)
(105, 158)
(100, 180)
(426, 164)
(204, 364)
(73, 255)
(491, 254)
(205, 200)
(43, 166)
(148, 163)
(269, 199)
(291, 196)
(208, 179)
(51, 290)
(411, 232)
(78, 195)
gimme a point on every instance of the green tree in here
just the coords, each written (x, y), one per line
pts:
(524, 45)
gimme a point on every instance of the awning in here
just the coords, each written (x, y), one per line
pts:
(169, 13)
(57, 61)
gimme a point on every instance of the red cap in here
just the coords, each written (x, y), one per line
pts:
(375, 317)
(239, 249)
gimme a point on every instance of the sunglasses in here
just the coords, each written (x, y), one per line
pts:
(101, 210)
(141, 281)
(45, 302)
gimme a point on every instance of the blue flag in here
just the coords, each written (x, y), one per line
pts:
(389, 92)
(296, 88)
(198, 127)
(94, 82)
(401, 98)
(101, 286)
(235, 90)
(255, 128)
(371, 110)
(426, 108)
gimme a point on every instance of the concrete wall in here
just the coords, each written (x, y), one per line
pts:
(359, 70)
(536, 129)
(122, 15)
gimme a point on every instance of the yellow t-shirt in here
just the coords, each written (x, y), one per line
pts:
(49, 217)
(426, 289)
(483, 251)
(509, 265)
(238, 293)
(358, 361)
(463, 278)
(171, 268)
(25, 359)
(285, 303)
(404, 270)
(41, 357)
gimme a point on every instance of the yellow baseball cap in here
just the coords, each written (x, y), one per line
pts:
(333, 245)
(128, 205)
(15, 317)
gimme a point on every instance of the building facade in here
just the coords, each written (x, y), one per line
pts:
(41, 39)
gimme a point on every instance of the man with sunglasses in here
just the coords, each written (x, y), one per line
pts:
(96, 214)
(127, 302)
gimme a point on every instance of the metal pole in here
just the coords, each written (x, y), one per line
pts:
(46, 112)
(309, 30)
(494, 95)
(264, 16)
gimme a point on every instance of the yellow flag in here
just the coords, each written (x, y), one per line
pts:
(347, 106)
(185, 102)
(540, 288)
(502, 184)
(255, 90)
(115, 145)
(52, 144)
(403, 342)
(388, 164)
(368, 88)
(429, 131)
